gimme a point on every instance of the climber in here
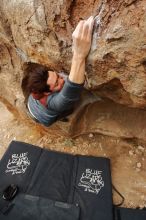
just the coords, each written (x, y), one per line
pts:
(52, 95)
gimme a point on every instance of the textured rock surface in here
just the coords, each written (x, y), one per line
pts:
(120, 52)
(40, 31)
(110, 119)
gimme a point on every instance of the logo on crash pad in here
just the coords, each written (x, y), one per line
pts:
(92, 181)
(18, 163)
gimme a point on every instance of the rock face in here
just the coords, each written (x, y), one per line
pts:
(110, 119)
(39, 31)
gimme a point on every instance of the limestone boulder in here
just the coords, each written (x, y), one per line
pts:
(40, 31)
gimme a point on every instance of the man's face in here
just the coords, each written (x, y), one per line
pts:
(55, 81)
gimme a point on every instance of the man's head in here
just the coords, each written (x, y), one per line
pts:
(40, 81)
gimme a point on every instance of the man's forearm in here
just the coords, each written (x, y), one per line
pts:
(77, 73)
(82, 37)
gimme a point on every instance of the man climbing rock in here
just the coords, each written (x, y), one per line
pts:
(51, 96)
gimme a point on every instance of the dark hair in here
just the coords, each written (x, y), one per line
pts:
(35, 79)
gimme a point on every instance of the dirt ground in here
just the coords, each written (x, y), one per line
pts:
(128, 156)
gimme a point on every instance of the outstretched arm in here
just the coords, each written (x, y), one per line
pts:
(70, 93)
(82, 37)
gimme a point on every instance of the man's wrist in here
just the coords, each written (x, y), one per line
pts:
(78, 57)
(77, 69)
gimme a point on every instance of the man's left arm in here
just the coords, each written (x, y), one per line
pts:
(70, 93)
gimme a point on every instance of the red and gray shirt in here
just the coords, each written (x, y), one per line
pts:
(57, 103)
